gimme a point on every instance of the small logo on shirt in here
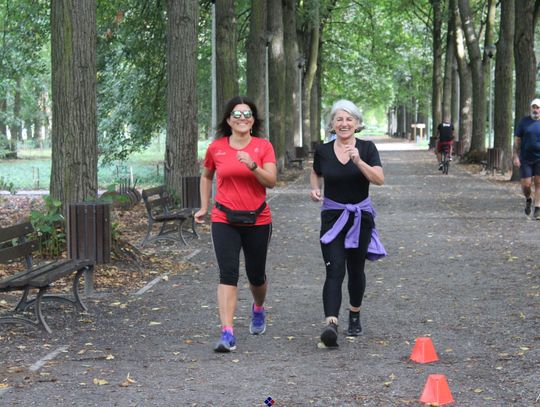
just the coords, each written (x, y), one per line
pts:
(220, 152)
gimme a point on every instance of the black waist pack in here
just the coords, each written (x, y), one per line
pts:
(241, 217)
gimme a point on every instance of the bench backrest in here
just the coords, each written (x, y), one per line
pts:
(157, 200)
(14, 243)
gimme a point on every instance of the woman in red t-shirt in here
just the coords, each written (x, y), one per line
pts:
(245, 165)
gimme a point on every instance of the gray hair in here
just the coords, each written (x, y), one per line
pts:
(346, 106)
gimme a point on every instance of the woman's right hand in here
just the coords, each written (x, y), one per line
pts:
(199, 215)
(316, 195)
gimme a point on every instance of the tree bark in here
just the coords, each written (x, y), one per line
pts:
(276, 77)
(312, 52)
(74, 131)
(226, 58)
(477, 70)
(182, 129)
(525, 62)
(256, 55)
(503, 123)
(465, 85)
(436, 82)
(448, 69)
(292, 74)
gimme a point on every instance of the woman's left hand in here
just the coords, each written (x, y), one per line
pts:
(245, 158)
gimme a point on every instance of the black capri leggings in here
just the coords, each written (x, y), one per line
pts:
(338, 259)
(253, 240)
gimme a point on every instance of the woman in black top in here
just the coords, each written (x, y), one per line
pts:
(347, 165)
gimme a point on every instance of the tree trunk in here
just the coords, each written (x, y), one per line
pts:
(16, 128)
(525, 62)
(448, 69)
(226, 59)
(477, 69)
(292, 74)
(182, 129)
(256, 56)
(312, 52)
(436, 82)
(3, 127)
(74, 131)
(315, 108)
(503, 123)
(465, 85)
(276, 77)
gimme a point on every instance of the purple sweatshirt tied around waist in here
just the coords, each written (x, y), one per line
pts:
(375, 249)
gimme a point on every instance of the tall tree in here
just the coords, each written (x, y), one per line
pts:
(276, 76)
(226, 56)
(436, 81)
(504, 65)
(74, 131)
(449, 61)
(311, 50)
(477, 62)
(465, 79)
(256, 54)
(525, 61)
(182, 129)
(292, 74)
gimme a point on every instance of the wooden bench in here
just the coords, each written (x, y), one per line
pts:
(162, 209)
(291, 161)
(15, 245)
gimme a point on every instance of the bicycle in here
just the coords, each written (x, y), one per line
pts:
(446, 158)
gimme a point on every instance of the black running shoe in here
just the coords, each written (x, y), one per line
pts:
(537, 213)
(355, 329)
(528, 204)
(329, 335)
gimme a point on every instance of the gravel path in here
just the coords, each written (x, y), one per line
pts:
(462, 269)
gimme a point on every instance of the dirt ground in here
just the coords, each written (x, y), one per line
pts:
(462, 269)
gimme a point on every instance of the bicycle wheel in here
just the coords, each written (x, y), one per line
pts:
(446, 163)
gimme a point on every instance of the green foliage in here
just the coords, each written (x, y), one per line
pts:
(49, 228)
(5, 185)
(375, 54)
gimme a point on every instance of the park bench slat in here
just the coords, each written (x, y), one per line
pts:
(161, 209)
(14, 245)
(14, 253)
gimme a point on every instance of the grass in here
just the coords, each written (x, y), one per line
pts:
(32, 170)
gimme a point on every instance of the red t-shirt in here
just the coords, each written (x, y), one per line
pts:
(237, 186)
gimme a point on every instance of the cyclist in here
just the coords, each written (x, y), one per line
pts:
(445, 137)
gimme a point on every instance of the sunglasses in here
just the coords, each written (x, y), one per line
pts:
(238, 114)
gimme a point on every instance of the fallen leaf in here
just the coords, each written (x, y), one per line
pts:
(128, 381)
(100, 382)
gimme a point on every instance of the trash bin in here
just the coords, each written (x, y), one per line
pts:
(89, 231)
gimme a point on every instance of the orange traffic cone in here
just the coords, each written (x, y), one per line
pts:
(436, 391)
(424, 351)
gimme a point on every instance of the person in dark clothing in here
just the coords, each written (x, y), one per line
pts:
(527, 157)
(346, 166)
(445, 136)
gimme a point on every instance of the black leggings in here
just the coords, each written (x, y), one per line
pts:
(338, 259)
(253, 240)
